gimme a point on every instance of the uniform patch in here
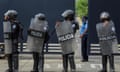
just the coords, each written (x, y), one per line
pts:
(14, 26)
(110, 37)
(36, 33)
(66, 37)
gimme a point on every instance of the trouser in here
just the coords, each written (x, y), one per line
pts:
(111, 61)
(84, 47)
(70, 58)
(38, 58)
(13, 62)
(10, 62)
(38, 62)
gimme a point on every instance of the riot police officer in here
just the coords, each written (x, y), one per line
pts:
(12, 32)
(107, 39)
(36, 39)
(66, 37)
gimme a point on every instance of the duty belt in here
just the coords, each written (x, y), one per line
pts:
(38, 34)
(103, 38)
(66, 37)
(7, 35)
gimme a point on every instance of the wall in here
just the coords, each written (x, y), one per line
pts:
(95, 8)
(28, 8)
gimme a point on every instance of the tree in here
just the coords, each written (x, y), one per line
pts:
(81, 7)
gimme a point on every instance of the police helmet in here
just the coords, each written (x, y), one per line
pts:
(104, 15)
(40, 16)
(11, 14)
(66, 13)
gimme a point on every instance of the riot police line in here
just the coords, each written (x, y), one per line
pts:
(65, 30)
(37, 37)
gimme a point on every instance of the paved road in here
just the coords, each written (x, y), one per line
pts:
(53, 63)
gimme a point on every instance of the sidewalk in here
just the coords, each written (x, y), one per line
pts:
(53, 63)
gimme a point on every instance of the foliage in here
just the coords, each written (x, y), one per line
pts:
(81, 7)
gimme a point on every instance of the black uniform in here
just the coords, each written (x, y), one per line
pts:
(16, 32)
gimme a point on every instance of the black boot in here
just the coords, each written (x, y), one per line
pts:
(10, 63)
(36, 61)
(111, 61)
(65, 63)
(72, 62)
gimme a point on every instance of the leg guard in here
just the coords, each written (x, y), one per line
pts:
(36, 61)
(111, 61)
(10, 63)
(15, 57)
(72, 62)
(41, 63)
(104, 63)
(65, 63)
(16, 62)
